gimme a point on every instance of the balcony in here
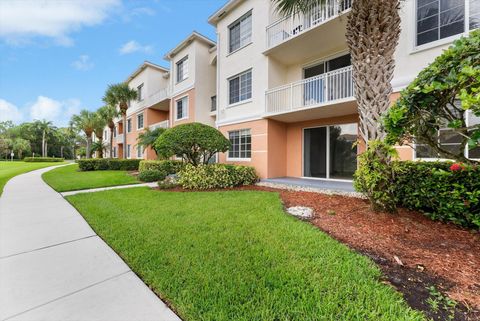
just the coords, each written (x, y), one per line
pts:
(119, 139)
(301, 36)
(159, 99)
(162, 124)
(332, 91)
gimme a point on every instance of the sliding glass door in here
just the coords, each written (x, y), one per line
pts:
(330, 151)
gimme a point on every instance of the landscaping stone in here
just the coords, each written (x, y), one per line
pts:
(301, 211)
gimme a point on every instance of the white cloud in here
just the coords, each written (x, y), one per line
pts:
(22, 20)
(133, 46)
(9, 111)
(59, 112)
(83, 63)
(130, 14)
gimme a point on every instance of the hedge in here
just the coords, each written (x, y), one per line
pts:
(96, 164)
(444, 191)
(42, 159)
(167, 166)
(151, 175)
(216, 176)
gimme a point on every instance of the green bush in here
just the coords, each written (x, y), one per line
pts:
(167, 166)
(97, 164)
(374, 176)
(196, 143)
(152, 175)
(440, 190)
(216, 176)
(42, 159)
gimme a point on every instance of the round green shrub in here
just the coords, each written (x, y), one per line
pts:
(151, 175)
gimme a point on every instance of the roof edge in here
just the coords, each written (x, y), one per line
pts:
(185, 42)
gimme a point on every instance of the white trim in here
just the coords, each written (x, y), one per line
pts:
(242, 102)
(239, 120)
(185, 107)
(239, 75)
(238, 159)
(174, 95)
(249, 12)
(236, 50)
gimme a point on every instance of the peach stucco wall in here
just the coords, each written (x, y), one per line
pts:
(191, 108)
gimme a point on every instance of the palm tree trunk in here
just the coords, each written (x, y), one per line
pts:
(124, 117)
(89, 144)
(100, 151)
(43, 143)
(373, 30)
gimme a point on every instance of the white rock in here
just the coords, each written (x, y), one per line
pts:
(300, 211)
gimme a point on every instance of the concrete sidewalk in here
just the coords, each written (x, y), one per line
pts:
(54, 267)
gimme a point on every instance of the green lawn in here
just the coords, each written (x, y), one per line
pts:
(235, 255)
(69, 178)
(11, 169)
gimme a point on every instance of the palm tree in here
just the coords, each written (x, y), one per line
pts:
(148, 137)
(20, 145)
(100, 124)
(45, 127)
(85, 121)
(121, 95)
(373, 30)
(109, 113)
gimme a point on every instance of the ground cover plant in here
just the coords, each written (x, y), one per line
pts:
(11, 169)
(69, 178)
(235, 255)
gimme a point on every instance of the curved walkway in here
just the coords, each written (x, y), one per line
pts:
(54, 267)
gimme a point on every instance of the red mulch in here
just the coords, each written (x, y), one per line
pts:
(448, 251)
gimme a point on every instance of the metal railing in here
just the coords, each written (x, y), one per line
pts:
(158, 96)
(295, 24)
(311, 92)
(162, 124)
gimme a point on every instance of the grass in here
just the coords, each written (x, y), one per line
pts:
(11, 169)
(69, 178)
(235, 255)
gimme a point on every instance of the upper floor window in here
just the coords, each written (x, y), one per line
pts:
(213, 101)
(140, 121)
(240, 32)
(240, 87)
(129, 125)
(181, 106)
(439, 19)
(182, 69)
(140, 92)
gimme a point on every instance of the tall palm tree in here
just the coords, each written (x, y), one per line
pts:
(373, 30)
(100, 124)
(45, 127)
(109, 113)
(86, 122)
(120, 95)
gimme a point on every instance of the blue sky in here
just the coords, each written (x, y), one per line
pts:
(58, 56)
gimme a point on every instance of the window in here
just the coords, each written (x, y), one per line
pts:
(240, 87)
(139, 151)
(128, 150)
(114, 152)
(115, 131)
(439, 19)
(182, 69)
(140, 92)
(241, 144)
(129, 125)
(181, 108)
(105, 134)
(140, 121)
(240, 32)
(213, 100)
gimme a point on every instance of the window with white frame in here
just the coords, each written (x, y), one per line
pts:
(241, 141)
(128, 150)
(105, 134)
(129, 125)
(181, 108)
(240, 32)
(439, 19)
(182, 69)
(140, 92)
(140, 121)
(240, 87)
(114, 152)
(139, 151)
(451, 141)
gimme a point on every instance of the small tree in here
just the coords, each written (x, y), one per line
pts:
(196, 143)
(148, 138)
(440, 97)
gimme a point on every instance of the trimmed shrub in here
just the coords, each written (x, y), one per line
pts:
(167, 166)
(152, 175)
(444, 191)
(43, 159)
(216, 176)
(97, 164)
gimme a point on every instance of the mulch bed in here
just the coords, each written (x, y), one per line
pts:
(412, 251)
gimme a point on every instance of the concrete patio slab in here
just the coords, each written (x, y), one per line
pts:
(54, 267)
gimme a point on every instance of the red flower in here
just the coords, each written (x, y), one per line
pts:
(457, 167)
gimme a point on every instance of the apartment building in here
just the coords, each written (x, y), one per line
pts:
(285, 94)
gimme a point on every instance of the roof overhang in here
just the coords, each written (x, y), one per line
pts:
(187, 41)
(143, 66)
(220, 13)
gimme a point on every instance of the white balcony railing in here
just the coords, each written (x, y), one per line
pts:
(295, 24)
(162, 124)
(119, 138)
(311, 92)
(158, 96)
